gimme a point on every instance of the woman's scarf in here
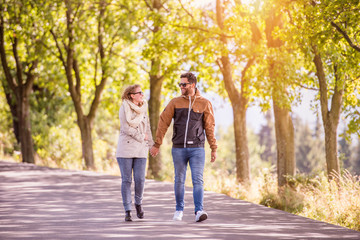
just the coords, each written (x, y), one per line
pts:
(140, 111)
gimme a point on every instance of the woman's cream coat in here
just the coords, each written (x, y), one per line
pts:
(131, 143)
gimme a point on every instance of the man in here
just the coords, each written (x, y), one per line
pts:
(193, 117)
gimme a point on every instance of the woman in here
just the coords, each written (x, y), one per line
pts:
(133, 146)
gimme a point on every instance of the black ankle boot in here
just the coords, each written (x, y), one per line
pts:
(128, 216)
(139, 211)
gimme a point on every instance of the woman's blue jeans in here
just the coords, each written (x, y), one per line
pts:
(196, 159)
(127, 167)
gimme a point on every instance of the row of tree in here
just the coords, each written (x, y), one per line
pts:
(260, 53)
(309, 146)
(309, 149)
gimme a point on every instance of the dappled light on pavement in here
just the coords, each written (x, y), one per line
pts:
(44, 203)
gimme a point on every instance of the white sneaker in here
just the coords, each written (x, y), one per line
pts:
(201, 216)
(178, 216)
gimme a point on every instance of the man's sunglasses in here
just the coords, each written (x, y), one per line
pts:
(183, 84)
(141, 93)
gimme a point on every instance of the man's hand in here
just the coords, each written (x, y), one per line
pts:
(154, 151)
(213, 156)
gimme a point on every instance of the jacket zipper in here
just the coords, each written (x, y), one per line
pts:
(188, 118)
(187, 122)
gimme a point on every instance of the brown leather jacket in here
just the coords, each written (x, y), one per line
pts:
(193, 118)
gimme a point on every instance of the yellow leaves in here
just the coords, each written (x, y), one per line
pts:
(352, 99)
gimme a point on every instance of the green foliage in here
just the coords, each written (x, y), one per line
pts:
(24, 21)
(170, 48)
(105, 136)
(316, 24)
(56, 151)
(117, 37)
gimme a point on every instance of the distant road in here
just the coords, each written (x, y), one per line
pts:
(44, 203)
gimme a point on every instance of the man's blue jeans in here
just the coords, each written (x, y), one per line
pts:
(196, 159)
(127, 166)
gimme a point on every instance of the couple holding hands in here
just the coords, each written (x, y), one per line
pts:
(193, 119)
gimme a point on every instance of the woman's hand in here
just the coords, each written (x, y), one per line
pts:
(154, 151)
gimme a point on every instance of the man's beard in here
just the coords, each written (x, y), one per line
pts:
(186, 92)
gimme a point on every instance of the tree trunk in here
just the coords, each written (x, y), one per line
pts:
(332, 161)
(26, 141)
(84, 122)
(239, 105)
(156, 81)
(72, 70)
(86, 142)
(241, 143)
(284, 128)
(21, 89)
(331, 118)
(284, 132)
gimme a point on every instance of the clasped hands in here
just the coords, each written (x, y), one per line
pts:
(154, 151)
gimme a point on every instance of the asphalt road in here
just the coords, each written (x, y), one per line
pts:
(44, 203)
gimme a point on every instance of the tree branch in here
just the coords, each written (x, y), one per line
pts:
(218, 62)
(248, 65)
(244, 80)
(99, 88)
(49, 49)
(162, 5)
(130, 60)
(182, 6)
(18, 63)
(9, 78)
(336, 100)
(76, 12)
(204, 30)
(77, 77)
(30, 77)
(320, 73)
(149, 6)
(305, 87)
(96, 66)
(95, 103)
(347, 38)
(151, 29)
(60, 56)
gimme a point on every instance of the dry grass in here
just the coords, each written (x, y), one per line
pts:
(336, 201)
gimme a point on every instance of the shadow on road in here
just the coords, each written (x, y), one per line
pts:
(44, 203)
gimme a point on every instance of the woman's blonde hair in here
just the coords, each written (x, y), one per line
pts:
(128, 91)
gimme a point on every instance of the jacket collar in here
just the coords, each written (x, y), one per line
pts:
(197, 95)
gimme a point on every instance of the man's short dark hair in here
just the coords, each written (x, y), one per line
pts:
(190, 77)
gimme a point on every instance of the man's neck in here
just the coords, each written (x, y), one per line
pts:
(189, 95)
(192, 93)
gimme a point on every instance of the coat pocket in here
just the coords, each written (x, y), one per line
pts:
(196, 116)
